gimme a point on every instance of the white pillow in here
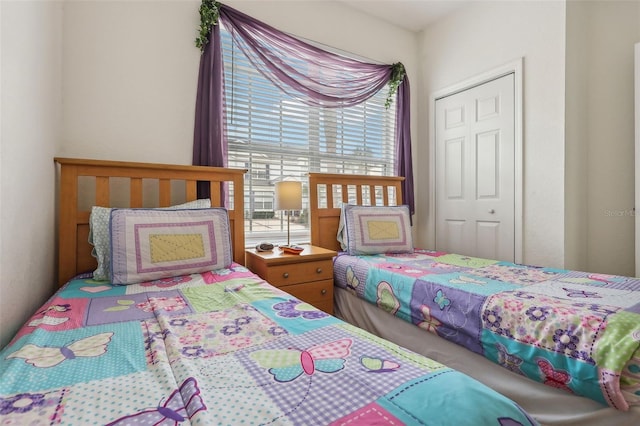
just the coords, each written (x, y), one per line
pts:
(99, 234)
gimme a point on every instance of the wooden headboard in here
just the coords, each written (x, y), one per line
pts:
(327, 191)
(74, 251)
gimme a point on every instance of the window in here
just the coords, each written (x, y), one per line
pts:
(277, 137)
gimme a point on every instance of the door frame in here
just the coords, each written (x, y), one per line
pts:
(636, 211)
(515, 67)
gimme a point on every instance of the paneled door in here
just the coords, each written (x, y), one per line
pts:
(475, 172)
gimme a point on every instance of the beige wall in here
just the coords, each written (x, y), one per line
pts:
(130, 77)
(600, 135)
(30, 118)
(481, 37)
(576, 133)
(131, 68)
(612, 30)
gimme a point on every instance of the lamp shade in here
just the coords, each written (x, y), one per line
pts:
(288, 195)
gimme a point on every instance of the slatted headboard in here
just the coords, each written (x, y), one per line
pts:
(327, 191)
(74, 251)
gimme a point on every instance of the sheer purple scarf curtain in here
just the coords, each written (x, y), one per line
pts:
(403, 142)
(210, 136)
(309, 74)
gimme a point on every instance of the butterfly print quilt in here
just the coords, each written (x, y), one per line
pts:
(222, 347)
(576, 331)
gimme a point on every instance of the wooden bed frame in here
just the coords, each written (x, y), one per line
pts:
(327, 191)
(74, 250)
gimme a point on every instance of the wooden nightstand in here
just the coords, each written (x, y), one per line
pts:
(307, 276)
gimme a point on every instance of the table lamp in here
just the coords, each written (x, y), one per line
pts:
(288, 197)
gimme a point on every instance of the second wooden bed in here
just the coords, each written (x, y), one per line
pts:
(328, 192)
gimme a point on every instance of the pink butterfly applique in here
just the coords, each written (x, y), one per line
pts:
(552, 377)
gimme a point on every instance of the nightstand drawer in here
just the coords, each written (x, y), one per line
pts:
(281, 275)
(318, 294)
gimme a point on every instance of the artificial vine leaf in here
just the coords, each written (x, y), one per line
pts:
(209, 14)
(397, 75)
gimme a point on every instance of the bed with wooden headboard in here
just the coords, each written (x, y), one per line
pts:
(390, 275)
(328, 191)
(94, 179)
(215, 345)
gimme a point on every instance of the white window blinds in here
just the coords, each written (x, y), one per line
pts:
(276, 137)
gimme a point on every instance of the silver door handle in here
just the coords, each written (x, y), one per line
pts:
(492, 211)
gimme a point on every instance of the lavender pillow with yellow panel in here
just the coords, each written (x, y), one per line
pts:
(149, 244)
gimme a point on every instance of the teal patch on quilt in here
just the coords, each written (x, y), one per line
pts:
(471, 283)
(386, 289)
(90, 288)
(65, 358)
(458, 397)
(545, 366)
(293, 315)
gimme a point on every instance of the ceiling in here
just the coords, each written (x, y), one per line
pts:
(413, 15)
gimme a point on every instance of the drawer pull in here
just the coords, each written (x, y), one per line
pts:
(285, 275)
(319, 270)
(323, 291)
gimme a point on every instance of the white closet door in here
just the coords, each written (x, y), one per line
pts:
(475, 172)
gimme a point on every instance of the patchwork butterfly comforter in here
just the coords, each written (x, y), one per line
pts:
(572, 330)
(221, 347)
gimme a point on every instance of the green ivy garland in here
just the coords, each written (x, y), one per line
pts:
(397, 75)
(209, 14)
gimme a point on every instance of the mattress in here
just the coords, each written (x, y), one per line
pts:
(573, 331)
(548, 405)
(222, 347)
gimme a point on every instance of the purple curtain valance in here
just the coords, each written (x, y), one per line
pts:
(332, 81)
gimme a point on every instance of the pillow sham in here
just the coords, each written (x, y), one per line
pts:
(149, 244)
(377, 229)
(99, 234)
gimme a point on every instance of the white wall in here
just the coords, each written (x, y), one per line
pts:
(130, 77)
(576, 133)
(599, 136)
(613, 27)
(131, 68)
(481, 37)
(30, 129)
